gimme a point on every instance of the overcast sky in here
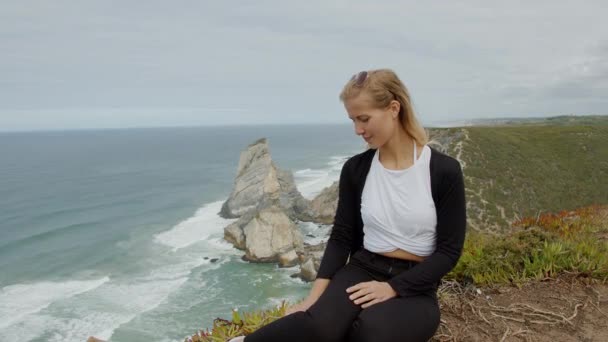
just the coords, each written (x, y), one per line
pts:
(100, 64)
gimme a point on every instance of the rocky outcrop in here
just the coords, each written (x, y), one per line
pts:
(289, 259)
(259, 183)
(256, 178)
(267, 203)
(445, 140)
(269, 235)
(324, 206)
(234, 234)
(291, 200)
(308, 272)
(310, 260)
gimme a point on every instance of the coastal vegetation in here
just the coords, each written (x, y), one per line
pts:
(514, 171)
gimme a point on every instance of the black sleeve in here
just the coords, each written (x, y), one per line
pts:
(451, 226)
(342, 234)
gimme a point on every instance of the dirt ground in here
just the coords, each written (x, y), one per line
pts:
(568, 308)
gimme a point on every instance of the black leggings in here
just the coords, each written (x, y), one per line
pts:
(334, 317)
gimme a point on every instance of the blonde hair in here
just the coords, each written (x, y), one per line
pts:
(384, 86)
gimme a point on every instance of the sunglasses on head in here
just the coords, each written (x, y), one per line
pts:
(359, 78)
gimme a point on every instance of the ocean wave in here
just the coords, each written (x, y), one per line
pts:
(101, 308)
(204, 223)
(21, 300)
(47, 234)
(310, 182)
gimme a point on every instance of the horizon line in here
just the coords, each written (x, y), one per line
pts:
(434, 124)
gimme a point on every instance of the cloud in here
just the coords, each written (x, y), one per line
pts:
(287, 61)
(585, 79)
(579, 86)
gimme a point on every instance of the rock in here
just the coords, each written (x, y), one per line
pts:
(94, 339)
(269, 234)
(233, 233)
(288, 259)
(259, 183)
(313, 250)
(308, 271)
(256, 176)
(214, 259)
(324, 205)
(310, 260)
(444, 140)
(266, 202)
(291, 200)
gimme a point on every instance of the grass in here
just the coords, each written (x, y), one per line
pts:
(554, 120)
(517, 171)
(241, 324)
(538, 247)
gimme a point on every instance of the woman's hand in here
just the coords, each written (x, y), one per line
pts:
(370, 293)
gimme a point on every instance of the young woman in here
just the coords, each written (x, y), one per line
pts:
(398, 229)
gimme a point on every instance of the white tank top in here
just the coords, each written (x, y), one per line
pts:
(397, 207)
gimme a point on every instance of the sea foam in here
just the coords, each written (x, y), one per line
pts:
(18, 301)
(310, 182)
(204, 223)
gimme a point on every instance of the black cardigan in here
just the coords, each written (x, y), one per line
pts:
(447, 187)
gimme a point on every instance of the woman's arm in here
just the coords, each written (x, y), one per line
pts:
(343, 233)
(317, 290)
(318, 287)
(340, 240)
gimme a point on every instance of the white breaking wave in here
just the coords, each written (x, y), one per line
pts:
(310, 182)
(314, 233)
(121, 303)
(20, 300)
(102, 307)
(204, 223)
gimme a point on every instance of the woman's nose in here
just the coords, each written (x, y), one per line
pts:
(359, 130)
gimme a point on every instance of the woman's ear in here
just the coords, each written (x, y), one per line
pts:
(394, 107)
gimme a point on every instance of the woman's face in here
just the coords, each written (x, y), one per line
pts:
(375, 126)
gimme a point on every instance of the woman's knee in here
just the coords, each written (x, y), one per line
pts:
(325, 330)
(362, 331)
(331, 329)
(333, 313)
(365, 331)
(390, 323)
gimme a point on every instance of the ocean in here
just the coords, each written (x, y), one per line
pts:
(114, 233)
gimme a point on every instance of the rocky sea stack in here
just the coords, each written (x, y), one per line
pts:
(269, 206)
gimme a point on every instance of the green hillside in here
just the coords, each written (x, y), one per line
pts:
(553, 120)
(512, 171)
